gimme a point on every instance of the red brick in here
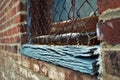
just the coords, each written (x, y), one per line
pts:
(12, 12)
(17, 19)
(107, 4)
(10, 5)
(16, 0)
(17, 39)
(11, 40)
(7, 24)
(69, 75)
(9, 31)
(15, 30)
(110, 31)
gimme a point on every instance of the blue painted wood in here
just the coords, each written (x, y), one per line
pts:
(79, 58)
(28, 20)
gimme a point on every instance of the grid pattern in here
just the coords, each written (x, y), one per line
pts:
(62, 22)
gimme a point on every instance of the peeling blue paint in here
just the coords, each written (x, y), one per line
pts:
(79, 58)
(28, 20)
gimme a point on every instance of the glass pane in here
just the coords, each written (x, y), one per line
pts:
(62, 10)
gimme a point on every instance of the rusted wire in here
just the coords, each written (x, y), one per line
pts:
(51, 19)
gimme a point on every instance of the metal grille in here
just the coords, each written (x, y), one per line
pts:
(62, 22)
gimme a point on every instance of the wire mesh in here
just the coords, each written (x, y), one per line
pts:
(62, 22)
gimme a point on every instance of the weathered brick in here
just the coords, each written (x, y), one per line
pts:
(17, 39)
(1, 64)
(107, 4)
(23, 72)
(18, 77)
(25, 61)
(15, 0)
(69, 75)
(55, 75)
(12, 49)
(112, 62)
(43, 69)
(109, 31)
(17, 19)
(12, 12)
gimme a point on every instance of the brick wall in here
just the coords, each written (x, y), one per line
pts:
(12, 30)
(14, 66)
(109, 34)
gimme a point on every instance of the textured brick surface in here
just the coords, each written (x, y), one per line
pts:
(112, 63)
(107, 4)
(110, 31)
(12, 25)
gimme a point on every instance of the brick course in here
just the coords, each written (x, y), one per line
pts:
(12, 27)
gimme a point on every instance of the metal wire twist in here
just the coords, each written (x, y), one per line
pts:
(62, 22)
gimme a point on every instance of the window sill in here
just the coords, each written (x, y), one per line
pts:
(79, 58)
